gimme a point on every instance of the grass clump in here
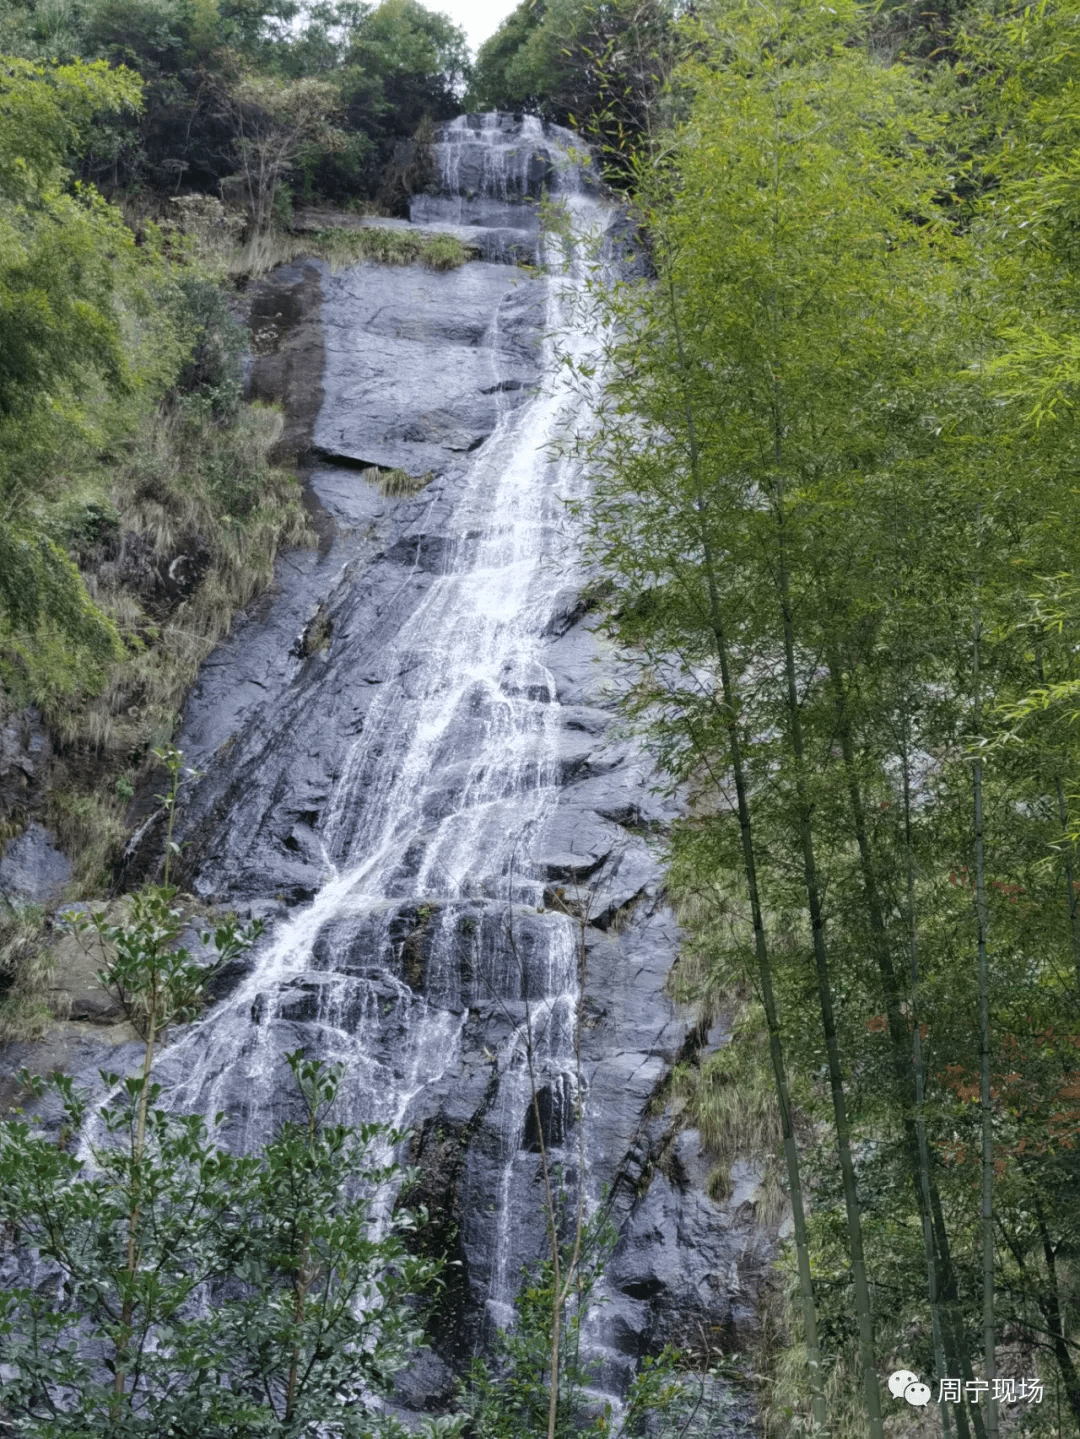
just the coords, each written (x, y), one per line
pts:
(397, 484)
(731, 1099)
(730, 1094)
(26, 967)
(389, 247)
(341, 247)
(89, 827)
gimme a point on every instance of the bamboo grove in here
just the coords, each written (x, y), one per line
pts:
(837, 512)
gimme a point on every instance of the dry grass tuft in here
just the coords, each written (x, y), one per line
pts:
(211, 234)
(90, 829)
(397, 484)
(26, 968)
(730, 1095)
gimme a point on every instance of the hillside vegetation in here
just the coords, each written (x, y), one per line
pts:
(151, 156)
(836, 507)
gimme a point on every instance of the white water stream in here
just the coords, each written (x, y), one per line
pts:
(444, 791)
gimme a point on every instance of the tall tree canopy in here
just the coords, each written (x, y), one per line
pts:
(603, 67)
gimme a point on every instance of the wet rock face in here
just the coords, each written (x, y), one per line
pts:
(25, 753)
(420, 365)
(32, 870)
(493, 169)
(439, 816)
(285, 366)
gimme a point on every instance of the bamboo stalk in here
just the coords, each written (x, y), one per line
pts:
(761, 948)
(986, 1206)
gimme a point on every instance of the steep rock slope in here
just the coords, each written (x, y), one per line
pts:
(415, 773)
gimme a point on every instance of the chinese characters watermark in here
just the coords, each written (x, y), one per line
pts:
(903, 1384)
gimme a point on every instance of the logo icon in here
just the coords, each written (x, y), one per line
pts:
(905, 1385)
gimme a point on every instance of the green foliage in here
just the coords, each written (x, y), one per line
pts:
(807, 473)
(497, 81)
(226, 80)
(64, 259)
(258, 1303)
(63, 253)
(276, 123)
(213, 373)
(201, 487)
(45, 114)
(508, 1396)
(399, 67)
(605, 68)
(53, 639)
(1023, 69)
(403, 62)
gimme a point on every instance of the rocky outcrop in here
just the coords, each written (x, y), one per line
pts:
(437, 812)
(285, 365)
(25, 754)
(421, 365)
(32, 869)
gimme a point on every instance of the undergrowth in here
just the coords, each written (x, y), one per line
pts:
(729, 1094)
(729, 1097)
(207, 233)
(174, 522)
(196, 516)
(25, 972)
(201, 497)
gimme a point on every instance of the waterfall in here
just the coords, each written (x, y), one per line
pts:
(431, 900)
(492, 170)
(419, 803)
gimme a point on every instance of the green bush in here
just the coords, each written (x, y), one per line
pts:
(214, 371)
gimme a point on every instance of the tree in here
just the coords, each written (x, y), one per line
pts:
(415, 60)
(510, 1395)
(602, 67)
(183, 1290)
(274, 123)
(494, 85)
(1028, 113)
(402, 68)
(801, 233)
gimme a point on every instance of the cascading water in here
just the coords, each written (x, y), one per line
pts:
(420, 805)
(489, 164)
(441, 797)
